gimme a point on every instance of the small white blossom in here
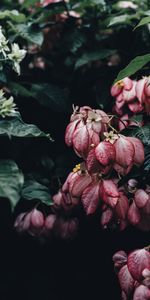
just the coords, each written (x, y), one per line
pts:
(17, 55)
(3, 43)
(7, 106)
(110, 137)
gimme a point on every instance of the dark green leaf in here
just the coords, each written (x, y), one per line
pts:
(136, 64)
(33, 190)
(28, 32)
(19, 90)
(16, 127)
(144, 21)
(51, 96)
(11, 181)
(142, 133)
(93, 56)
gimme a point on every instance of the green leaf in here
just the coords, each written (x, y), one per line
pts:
(147, 159)
(142, 133)
(51, 96)
(11, 181)
(33, 190)
(14, 15)
(28, 32)
(28, 3)
(135, 65)
(143, 22)
(3, 77)
(19, 90)
(16, 127)
(118, 20)
(93, 56)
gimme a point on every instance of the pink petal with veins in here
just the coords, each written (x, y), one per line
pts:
(138, 260)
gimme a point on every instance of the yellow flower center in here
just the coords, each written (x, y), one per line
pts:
(120, 83)
(77, 168)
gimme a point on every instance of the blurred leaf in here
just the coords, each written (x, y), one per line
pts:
(136, 64)
(14, 15)
(11, 181)
(16, 127)
(28, 3)
(33, 190)
(3, 77)
(144, 21)
(119, 20)
(51, 96)
(93, 56)
(19, 90)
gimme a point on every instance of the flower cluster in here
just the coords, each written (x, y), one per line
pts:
(133, 207)
(107, 156)
(133, 272)
(132, 95)
(36, 224)
(14, 55)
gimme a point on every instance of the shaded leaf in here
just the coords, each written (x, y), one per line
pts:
(51, 96)
(16, 127)
(11, 181)
(19, 90)
(144, 21)
(33, 190)
(14, 15)
(92, 56)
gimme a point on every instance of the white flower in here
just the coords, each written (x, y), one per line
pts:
(7, 106)
(3, 43)
(17, 55)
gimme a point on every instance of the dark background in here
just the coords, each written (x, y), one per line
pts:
(57, 270)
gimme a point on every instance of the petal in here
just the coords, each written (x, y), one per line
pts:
(115, 90)
(80, 184)
(135, 107)
(140, 89)
(121, 170)
(105, 153)
(69, 132)
(109, 192)
(138, 260)
(81, 140)
(129, 95)
(139, 150)
(147, 88)
(141, 293)
(119, 259)
(90, 198)
(124, 152)
(128, 83)
(134, 215)
(141, 198)
(106, 217)
(122, 207)
(126, 280)
(92, 163)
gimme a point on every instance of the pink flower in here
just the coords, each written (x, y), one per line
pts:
(143, 92)
(138, 260)
(85, 129)
(129, 151)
